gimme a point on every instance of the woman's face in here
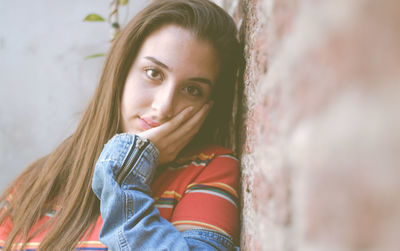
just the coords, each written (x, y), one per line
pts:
(172, 70)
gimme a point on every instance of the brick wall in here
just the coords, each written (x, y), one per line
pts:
(319, 125)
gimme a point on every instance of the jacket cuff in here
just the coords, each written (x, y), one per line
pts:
(133, 158)
(146, 161)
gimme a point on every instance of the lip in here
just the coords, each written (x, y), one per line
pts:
(148, 123)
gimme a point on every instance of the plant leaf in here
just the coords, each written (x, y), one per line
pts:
(94, 18)
(123, 2)
(95, 55)
(115, 35)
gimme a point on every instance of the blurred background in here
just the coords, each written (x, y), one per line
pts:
(45, 79)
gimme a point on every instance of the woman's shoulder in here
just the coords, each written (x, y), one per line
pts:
(216, 150)
(214, 160)
(213, 176)
(207, 154)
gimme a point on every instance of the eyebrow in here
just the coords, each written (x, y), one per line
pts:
(202, 80)
(196, 79)
(158, 62)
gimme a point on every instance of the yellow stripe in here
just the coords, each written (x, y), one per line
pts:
(92, 244)
(217, 184)
(169, 194)
(173, 193)
(204, 156)
(197, 223)
(27, 246)
(36, 244)
(201, 156)
(89, 242)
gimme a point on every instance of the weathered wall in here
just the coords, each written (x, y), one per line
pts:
(320, 131)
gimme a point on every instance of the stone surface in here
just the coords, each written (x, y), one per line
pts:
(319, 136)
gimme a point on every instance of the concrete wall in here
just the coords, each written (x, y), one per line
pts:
(45, 81)
(320, 128)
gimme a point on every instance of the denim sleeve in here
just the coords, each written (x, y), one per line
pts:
(121, 181)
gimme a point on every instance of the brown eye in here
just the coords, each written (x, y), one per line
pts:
(153, 74)
(193, 91)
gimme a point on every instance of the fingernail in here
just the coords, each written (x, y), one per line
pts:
(189, 109)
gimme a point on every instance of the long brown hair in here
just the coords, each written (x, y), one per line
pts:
(64, 176)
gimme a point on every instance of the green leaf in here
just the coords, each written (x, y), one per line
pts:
(123, 2)
(94, 18)
(116, 34)
(95, 55)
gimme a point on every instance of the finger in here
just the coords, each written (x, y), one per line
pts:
(190, 127)
(186, 133)
(171, 137)
(196, 121)
(166, 128)
(176, 121)
(177, 129)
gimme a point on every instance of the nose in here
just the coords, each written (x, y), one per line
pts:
(163, 103)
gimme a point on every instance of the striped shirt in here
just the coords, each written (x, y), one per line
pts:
(200, 191)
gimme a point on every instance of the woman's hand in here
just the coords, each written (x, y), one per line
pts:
(171, 137)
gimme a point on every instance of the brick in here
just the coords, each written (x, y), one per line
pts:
(320, 153)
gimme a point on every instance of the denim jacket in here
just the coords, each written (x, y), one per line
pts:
(121, 181)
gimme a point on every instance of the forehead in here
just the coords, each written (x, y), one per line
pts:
(181, 50)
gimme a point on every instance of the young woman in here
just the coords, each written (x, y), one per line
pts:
(145, 169)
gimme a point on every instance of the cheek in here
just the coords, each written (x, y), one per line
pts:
(135, 102)
(134, 99)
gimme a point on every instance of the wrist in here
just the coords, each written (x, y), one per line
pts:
(140, 161)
